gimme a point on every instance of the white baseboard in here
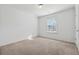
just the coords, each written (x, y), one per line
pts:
(17, 40)
(58, 40)
(10, 42)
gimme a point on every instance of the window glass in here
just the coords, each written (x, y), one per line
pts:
(52, 25)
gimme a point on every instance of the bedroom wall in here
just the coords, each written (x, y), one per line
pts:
(16, 25)
(65, 23)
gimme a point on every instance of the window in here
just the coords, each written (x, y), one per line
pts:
(51, 25)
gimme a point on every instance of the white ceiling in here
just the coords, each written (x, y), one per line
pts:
(52, 8)
(46, 8)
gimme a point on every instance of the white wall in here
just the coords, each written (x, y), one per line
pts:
(16, 25)
(65, 20)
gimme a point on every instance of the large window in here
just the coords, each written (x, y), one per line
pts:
(51, 25)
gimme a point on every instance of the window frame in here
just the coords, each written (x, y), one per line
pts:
(48, 30)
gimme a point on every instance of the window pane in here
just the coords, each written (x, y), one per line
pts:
(52, 25)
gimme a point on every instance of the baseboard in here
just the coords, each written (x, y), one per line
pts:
(12, 42)
(57, 40)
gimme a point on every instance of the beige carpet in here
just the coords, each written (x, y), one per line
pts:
(39, 46)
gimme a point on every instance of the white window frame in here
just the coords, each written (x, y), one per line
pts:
(51, 30)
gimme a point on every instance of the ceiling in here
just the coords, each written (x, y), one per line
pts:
(46, 8)
(52, 8)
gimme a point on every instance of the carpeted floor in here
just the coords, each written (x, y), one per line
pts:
(39, 46)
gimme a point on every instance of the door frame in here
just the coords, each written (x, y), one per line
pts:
(77, 25)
